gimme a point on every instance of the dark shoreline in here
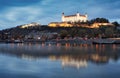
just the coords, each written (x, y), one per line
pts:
(61, 41)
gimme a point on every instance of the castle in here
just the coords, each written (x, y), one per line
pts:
(74, 18)
(68, 21)
(70, 18)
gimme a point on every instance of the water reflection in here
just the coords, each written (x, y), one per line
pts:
(70, 55)
(69, 61)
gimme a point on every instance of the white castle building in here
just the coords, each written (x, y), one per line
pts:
(74, 18)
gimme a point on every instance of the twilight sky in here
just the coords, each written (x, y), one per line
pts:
(17, 12)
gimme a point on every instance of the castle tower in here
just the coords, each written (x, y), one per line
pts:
(63, 17)
(77, 17)
(86, 15)
(78, 14)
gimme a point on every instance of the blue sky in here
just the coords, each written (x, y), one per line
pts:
(17, 12)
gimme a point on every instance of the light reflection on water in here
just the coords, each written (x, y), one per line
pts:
(48, 61)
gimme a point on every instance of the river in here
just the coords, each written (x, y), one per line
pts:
(59, 61)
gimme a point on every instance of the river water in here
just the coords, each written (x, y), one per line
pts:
(59, 61)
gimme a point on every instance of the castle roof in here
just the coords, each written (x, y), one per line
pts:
(70, 16)
(75, 15)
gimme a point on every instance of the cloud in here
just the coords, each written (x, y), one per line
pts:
(4, 3)
(16, 12)
(26, 13)
(21, 15)
(46, 2)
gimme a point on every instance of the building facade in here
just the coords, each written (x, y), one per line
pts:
(74, 18)
(33, 24)
(59, 24)
(97, 25)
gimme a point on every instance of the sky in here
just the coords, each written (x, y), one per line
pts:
(18, 12)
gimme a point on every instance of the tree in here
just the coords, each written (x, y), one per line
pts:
(82, 32)
(115, 23)
(109, 32)
(63, 33)
(99, 20)
(73, 32)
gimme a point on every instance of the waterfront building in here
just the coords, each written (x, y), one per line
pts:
(40, 35)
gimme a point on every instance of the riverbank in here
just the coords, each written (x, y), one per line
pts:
(64, 41)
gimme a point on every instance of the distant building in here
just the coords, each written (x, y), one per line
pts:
(30, 25)
(97, 25)
(59, 24)
(74, 18)
(68, 20)
(40, 35)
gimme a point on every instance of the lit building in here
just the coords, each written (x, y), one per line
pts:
(70, 18)
(59, 24)
(53, 24)
(74, 18)
(97, 25)
(40, 35)
(69, 21)
(29, 25)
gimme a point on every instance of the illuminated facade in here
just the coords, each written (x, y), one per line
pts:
(97, 25)
(29, 25)
(74, 18)
(69, 21)
(59, 24)
(71, 18)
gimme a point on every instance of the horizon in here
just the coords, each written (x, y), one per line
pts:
(18, 12)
